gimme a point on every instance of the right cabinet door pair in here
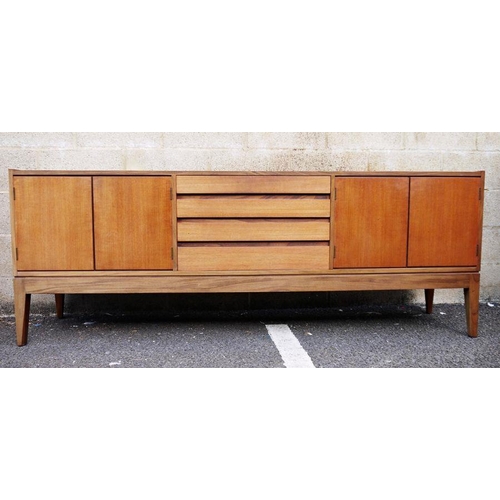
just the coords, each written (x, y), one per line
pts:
(407, 222)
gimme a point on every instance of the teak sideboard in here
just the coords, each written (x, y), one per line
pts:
(185, 232)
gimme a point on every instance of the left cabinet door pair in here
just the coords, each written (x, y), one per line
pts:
(82, 223)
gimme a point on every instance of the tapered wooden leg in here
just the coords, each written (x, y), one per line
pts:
(429, 300)
(472, 305)
(59, 304)
(22, 302)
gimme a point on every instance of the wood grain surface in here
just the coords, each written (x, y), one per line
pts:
(251, 184)
(53, 223)
(445, 221)
(253, 206)
(371, 222)
(253, 229)
(133, 222)
(226, 257)
(268, 283)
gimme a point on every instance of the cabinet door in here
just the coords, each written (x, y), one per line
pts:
(132, 222)
(445, 219)
(53, 223)
(371, 222)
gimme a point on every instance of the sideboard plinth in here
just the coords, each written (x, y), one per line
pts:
(24, 287)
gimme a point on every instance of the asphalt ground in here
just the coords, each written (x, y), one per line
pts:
(251, 433)
(382, 336)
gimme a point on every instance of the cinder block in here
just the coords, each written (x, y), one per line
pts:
(449, 141)
(43, 304)
(309, 160)
(456, 296)
(37, 140)
(286, 140)
(39, 303)
(5, 256)
(448, 296)
(474, 161)
(7, 297)
(488, 141)
(324, 161)
(15, 158)
(328, 160)
(119, 139)
(416, 297)
(4, 213)
(490, 274)
(395, 161)
(81, 159)
(365, 140)
(205, 140)
(489, 294)
(276, 160)
(227, 160)
(491, 216)
(187, 159)
(349, 161)
(145, 159)
(490, 251)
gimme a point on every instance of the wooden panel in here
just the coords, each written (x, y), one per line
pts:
(238, 283)
(252, 257)
(186, 173)
(371, 222)
(339, 272)
(253, 229)
(445, 215)
(253, 184)
(53, 223)
(133, 222)
(253, 206)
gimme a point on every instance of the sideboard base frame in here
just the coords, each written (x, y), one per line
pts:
(24, 287)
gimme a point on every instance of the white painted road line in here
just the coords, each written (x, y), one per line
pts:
(292, 353)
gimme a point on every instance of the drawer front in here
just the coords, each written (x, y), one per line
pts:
(247, 257)
(254, 206)
(253, 230)
(253, 222)
(253, 184)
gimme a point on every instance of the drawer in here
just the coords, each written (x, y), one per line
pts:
(248, 257)
(253, 230)
(253, 184)
(253, 206)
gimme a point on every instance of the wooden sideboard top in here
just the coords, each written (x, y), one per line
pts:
(407, 173)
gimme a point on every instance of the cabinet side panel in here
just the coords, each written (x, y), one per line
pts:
(53, 223)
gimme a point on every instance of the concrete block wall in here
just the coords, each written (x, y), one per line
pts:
(261, 151)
